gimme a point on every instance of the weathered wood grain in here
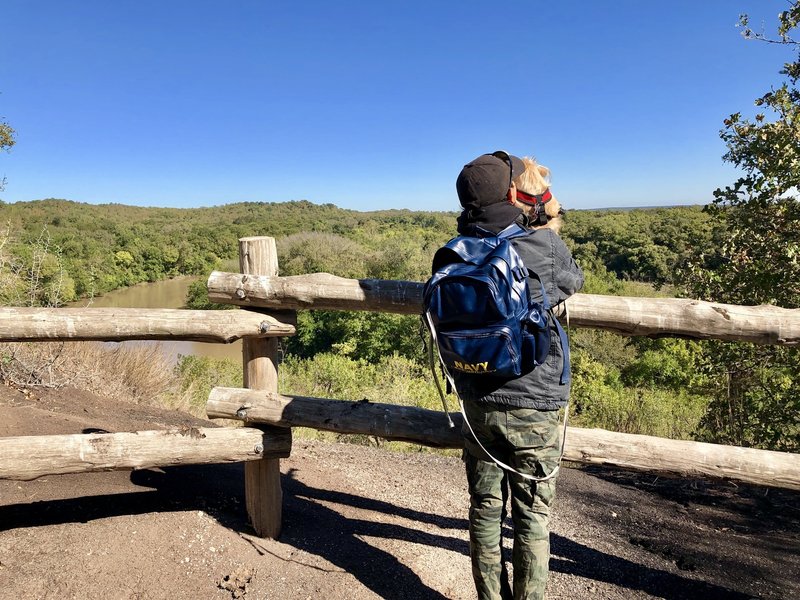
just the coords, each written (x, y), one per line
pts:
(30, 457)
(262, 479)
(120, 324)
(653, 317)
(593, 446)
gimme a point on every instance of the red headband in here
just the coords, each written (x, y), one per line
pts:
(533, 199)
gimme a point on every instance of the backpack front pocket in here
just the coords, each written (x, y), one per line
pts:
(487, 351)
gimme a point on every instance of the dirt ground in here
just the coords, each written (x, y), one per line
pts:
(363, 523)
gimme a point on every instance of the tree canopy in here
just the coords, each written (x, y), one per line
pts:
(7, 140)
(7, 136)
(755, 258)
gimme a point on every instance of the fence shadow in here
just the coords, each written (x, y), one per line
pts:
(210, 488)
(314, 524)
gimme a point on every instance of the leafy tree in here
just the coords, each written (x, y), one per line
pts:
(302, 253)
(600, 398)
(7, 136)
(756, 259)
(357, 335)
(642, 244)
(7, 140)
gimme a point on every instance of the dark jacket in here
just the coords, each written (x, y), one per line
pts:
(544, 252)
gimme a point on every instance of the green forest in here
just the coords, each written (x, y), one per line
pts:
(82, 250)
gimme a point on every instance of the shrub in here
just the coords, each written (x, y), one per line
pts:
(196, 376)
(392, 380)
(600, 399)
(131, 372)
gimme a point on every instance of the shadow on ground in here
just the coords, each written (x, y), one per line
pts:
(315, 521)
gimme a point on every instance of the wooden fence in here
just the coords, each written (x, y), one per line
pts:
(269, 416)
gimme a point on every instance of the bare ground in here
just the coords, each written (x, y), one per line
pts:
(363, 523)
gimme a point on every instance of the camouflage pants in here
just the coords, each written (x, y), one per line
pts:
(529, 440)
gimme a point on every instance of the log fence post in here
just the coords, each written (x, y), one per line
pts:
(262, 478)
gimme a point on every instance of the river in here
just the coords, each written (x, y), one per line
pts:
(168, 293)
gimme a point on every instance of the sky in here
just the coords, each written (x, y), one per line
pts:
(373, 105)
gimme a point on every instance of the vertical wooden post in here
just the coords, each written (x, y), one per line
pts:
(262, 478)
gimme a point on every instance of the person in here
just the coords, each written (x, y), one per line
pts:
(516, 420)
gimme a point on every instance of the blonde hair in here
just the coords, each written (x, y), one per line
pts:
(534, 180)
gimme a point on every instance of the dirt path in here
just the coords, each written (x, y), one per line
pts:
(361, 523)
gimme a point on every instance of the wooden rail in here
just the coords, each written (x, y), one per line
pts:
(120, 324)
(655, 317)
(430, 428)
(29, 457)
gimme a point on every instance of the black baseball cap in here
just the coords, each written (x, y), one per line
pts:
(486, 179)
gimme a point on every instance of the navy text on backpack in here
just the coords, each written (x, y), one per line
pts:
(478, 307)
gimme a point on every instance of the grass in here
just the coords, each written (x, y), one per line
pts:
(136, 373)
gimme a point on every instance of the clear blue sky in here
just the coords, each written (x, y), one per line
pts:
(372, 105)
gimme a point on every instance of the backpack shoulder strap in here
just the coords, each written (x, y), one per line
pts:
(514, 231)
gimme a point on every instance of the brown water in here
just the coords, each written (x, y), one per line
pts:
(169, 293)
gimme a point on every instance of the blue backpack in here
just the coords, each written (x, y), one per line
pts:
(478, 308)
